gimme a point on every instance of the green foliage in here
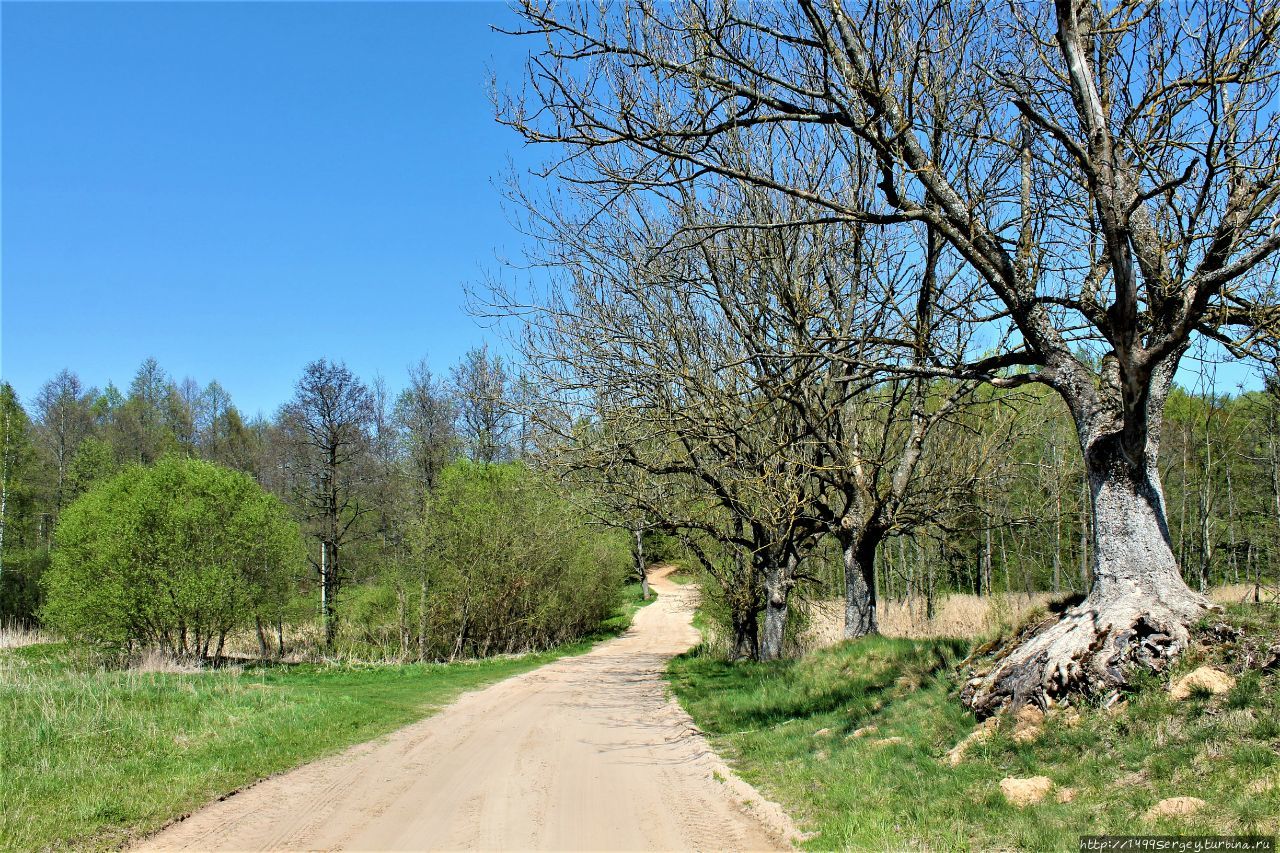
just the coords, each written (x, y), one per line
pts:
(174, 555)
(509, 566)
(788, 726)
(92, 462)
(18, 475)
(632, 599)
(508, 563)
(1023, 526)
(661, 548)
(20, 592)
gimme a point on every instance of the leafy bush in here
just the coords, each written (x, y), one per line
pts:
(509, 566)
(173, 556)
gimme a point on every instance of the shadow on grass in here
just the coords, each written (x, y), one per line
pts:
(857, 676)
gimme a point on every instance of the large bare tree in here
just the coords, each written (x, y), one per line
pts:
(642, 370)
(1108, 172)
(801, 308)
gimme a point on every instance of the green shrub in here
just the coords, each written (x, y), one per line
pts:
(511, 565)
(174, 556)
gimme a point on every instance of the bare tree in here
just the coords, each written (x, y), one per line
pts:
(802, 308)
(482, 387)
(63, 409)
(1109, 175)
(327, 425)
(824, 302)
(427, 415)
(640, 338)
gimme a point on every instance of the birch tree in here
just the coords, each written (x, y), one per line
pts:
(63, 412)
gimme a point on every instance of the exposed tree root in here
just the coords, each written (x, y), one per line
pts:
(1092, 649)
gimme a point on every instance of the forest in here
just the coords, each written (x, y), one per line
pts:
(352, 522)
(1014, 518)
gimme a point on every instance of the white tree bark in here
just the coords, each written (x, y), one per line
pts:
(778, 580)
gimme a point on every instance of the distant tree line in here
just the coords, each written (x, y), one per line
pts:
(1024, 525)
(390, 498)
(390, 516)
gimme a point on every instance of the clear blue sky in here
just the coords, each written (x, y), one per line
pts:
(238, 188)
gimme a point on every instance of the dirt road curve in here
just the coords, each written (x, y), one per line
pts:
(584, 753)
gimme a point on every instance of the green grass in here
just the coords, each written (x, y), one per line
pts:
(631, 602)
(856, 793)
(94, 758)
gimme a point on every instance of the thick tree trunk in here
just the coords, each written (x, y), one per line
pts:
(1137, 614)
(742, 594)
(1086, 576)
(777, 591)
(860, 617)
(775, 622)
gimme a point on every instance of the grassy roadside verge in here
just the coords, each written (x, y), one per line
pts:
(788, 727)
(631, 602)
(93, 758)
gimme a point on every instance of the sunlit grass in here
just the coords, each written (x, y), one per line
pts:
(91, 757)
(876, 793)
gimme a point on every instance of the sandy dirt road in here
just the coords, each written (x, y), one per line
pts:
(586, 753)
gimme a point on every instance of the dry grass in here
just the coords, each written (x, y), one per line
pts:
(959, 615)
(15, 635)
(302, 644)
(1243, 593)
(154, 660)
(962, 615)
